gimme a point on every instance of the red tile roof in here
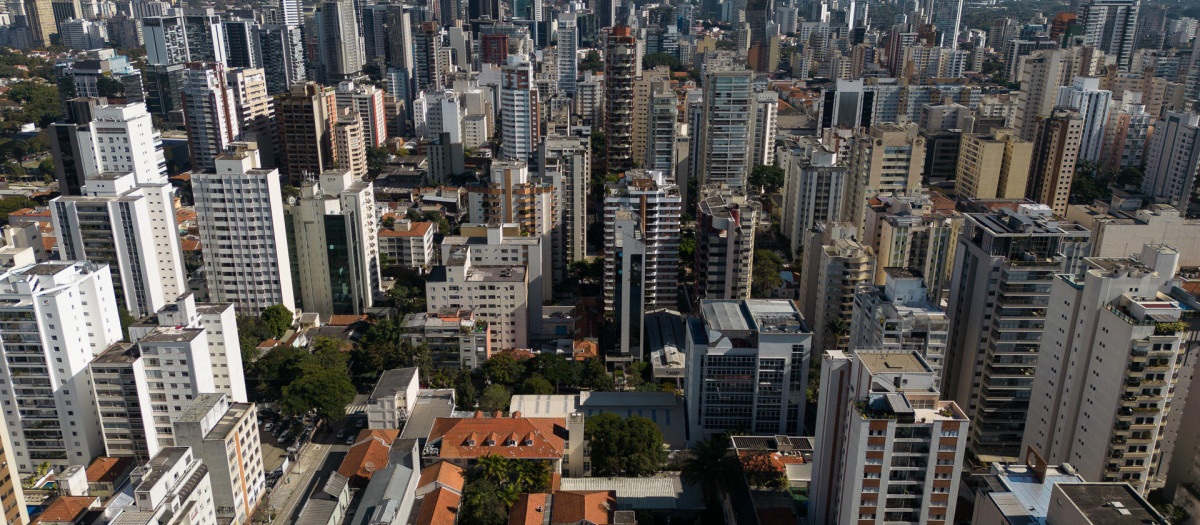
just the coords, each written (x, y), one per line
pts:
(574, 506)
(184, 215)
(439, 507)
(189, 245)
(368, 455)
(65, 508)
(445, 473)
(529, 510)
(107, 470)
(30, 212)
(528, 437)
(48, 243)
(345, 320)
(418, 229)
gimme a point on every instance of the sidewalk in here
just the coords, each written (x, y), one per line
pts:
(289, 497)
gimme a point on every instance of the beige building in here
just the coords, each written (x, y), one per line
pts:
(1121, 232)
(408, 244)
(12, 498)
(1057, 139)
(1041, 74)
(642, 89)
(350, 143)
(994, 166)
(225, 436)
(886, 159)
(835, 265)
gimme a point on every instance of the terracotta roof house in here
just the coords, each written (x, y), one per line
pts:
(440, 507)
(567, 507)
(66, 510)
(463, 440)
(105, 475)
(368, 455)
(442, 474)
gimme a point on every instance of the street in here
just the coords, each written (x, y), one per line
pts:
(310, 472)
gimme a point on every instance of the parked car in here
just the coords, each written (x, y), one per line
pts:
(350, 440)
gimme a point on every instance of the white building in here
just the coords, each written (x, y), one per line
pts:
(239, 210)
(336, 240)
(566, 163)
(503, 245)
(1109, 361)
(391, 401)
(1093, 104)
(219, 322)
(56, 318)
(899, 317)
(747, 367)
(567, 52)
(813, 190)
(408, 244)
(727, 128)
(892, 448)
(497, 293)
(1173, 159)
(657, 201)
(367, 101)
(173, 485)
(225, 436)
(762, 145)
(519, 116)
(208, 112)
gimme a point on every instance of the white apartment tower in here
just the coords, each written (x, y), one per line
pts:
(219, 321)
(568, 51)
(727, 128)
(224, 435)
(1111, 354)
(174, 484)
(893, 449)
(497, 293)
(505, 245)
(762, 147)
(1093, 104)
(56, 317)
(239, 210)
(208, 112)
(813, 189)
(566, 162)
(1111, 26)
(519, 118)
(367, 101)
(656, 200)
(725, 224)
(899, 317)
(336, 241)
(1173, 159)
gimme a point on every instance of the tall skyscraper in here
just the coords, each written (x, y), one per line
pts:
(520, 121)
(620, 69)
(1108, 366)
(566, 162)
(366, 100)
(306, 115)
(661, 129)
(281, 49)
(947, 19)
(994, 166)
(886, 159)
(428, 73)
(1093, 104)
(350, 142)
(762, 143)
(255, 109)
(239, 210)
(1056, 142)
(166, 40)
(725, 223)
(1173, 159)
(224, 435)
(40, 16)
(338, 41)
(209, 112)
(568, 50)
(654, 196)
(727, 125)
(813, 190)
(1007, 262)
(1111, 26)
(240, 47)
(337, 255)
(1041, 74)
(205, 36)
(49, 303)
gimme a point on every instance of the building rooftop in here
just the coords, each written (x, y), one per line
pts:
(65, 508)
(443, 472)
(1109, 503)
(172, 335)
(109, 470)
(1022, 493)
(439, 507)
(511, 437)
(761, 315)
(160, 464)
(369, 454)
(118, 353)
(898, 362)
(393, 381)
(431, 405)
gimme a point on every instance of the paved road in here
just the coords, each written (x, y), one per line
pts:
(323, 456)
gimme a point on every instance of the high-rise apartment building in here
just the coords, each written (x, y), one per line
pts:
(239, 211)
(281, 52)
(520, 120)
(1056, 142)
(1006, 262)
(661, 130)
(567, 50)
(255, 109)
(725, 224)
(219, 324)
(566, 163)
(1093, 104)
(899, 317)
(57, 317)
(224, 435)
(1111, 26)
(497, 292)
(174, 484)
(762, 143)
(620, 70)
(747, 367)
(367, 101)
(1111, 355)
(240, 45)
(504, 245)
(886, 159)
(655, 198)
(205, 36)
(651, 81)
(338, 41)
(1129, 127)
(166, 40)
(910, 232)
(209, 112)
(947, 19)
(350, 142)
(428, 69)
(1173, 159)
(306, 116)
(894, 448)
(813, 189)
(726, 128)
(512, 197)
(993, 166)
(335, 237)
(835, 264)
(629, 290)
(40, 18)
(1041, 74)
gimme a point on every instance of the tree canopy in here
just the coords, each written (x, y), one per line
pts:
(278, 319)
(769, 178)
(495, 484)
(624, 446)
(302, 381)
(765, 277)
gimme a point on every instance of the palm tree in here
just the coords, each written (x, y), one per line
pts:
(711, 465)
(494, 468)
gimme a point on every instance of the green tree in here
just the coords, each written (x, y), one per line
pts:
(14, 203)
(769, 178)
(654, 60)
(278, 318)
(624, 447)
(557, 369)
(465, 394)
(495, 398)
(710, 465)
(482, 505)
(326, 389)
(536, 385)
(593, 376)
(377, 159)
(503, 369)
(39, 103)
(592, 62)
(47, 167)
(765, 275)
(275, 369)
